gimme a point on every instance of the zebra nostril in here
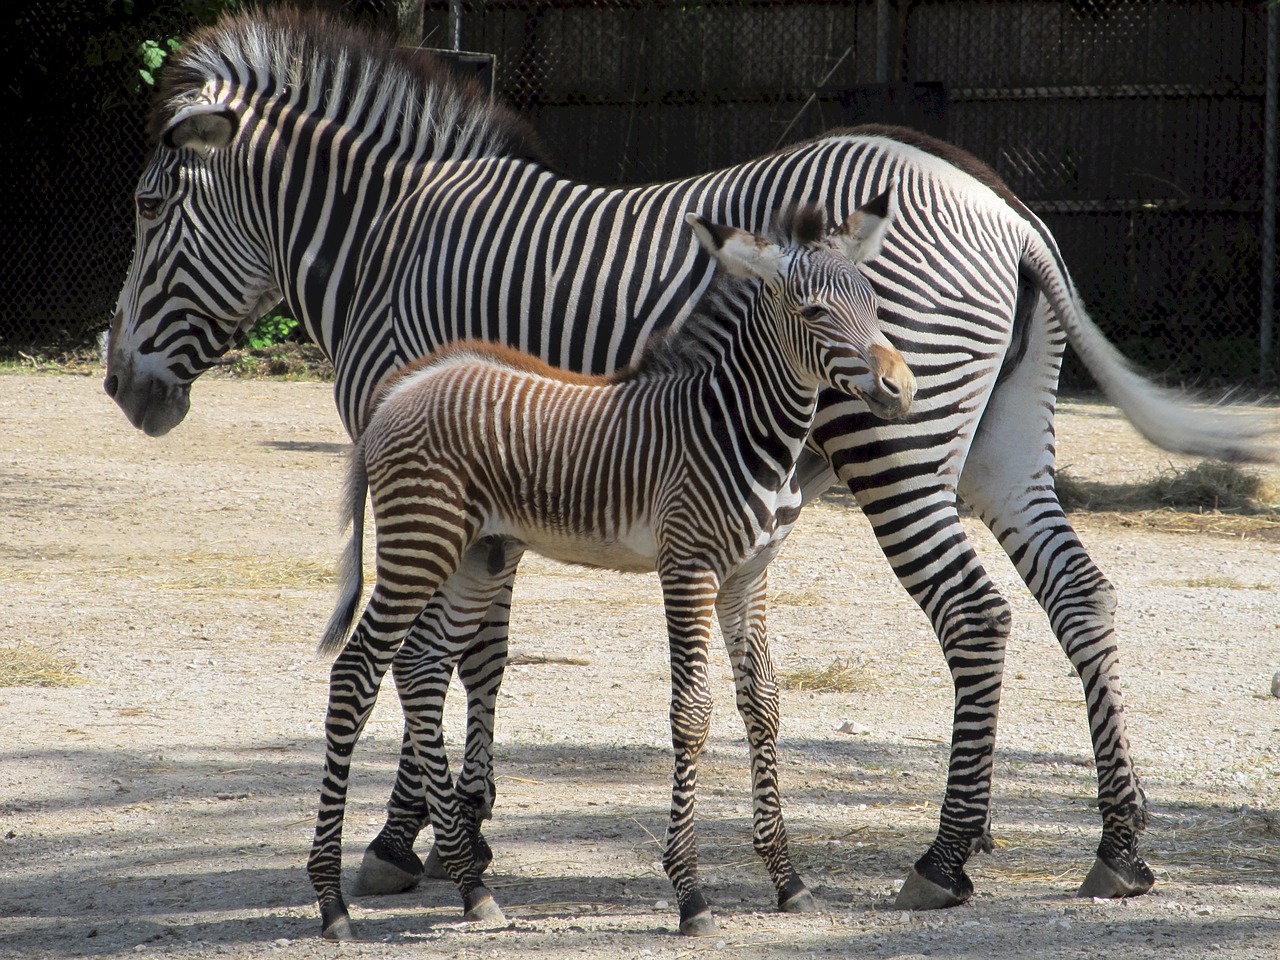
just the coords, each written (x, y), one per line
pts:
(890, 387)
(111, 385)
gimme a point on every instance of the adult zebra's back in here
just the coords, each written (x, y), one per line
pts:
(395, 211)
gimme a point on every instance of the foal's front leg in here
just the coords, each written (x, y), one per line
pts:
(689, 595)
(741, 611)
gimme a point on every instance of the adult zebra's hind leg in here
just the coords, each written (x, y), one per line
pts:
(390, 865)
(741, 612)
(1008, 480)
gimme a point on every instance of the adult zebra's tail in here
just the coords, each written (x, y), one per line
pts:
(1161, 415)
(351, 566)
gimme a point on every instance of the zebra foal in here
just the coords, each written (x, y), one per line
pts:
(683, 464)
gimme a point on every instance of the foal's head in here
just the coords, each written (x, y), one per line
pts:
(826, 310)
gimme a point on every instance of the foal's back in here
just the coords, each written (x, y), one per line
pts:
(569, 464)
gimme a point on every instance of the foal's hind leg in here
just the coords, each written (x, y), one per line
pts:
(422, 676)
(1008, 480)
(354, 680)
(390, 865)
(741, 612)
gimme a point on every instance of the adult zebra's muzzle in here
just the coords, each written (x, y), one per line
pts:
(155, 405)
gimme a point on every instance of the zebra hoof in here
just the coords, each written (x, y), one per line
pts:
(484, 910)
(434, 869)
(336, 924)
(383, 873)
(1110, 880)
(699, 925)
(921, 893)
(801, 902)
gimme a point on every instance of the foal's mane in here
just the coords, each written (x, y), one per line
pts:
(697, 342)
(305, 54)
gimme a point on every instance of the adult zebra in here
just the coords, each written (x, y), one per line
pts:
(394, 210)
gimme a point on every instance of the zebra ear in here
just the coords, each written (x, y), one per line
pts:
(862, 234)
(741, 253)
(201, 126)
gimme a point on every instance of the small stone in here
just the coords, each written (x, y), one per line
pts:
(661, 905)
(1275, 684)
(856, 729)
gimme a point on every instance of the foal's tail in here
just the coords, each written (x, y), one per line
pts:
(351, 566)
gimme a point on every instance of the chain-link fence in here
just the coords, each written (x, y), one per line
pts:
(1134, 127)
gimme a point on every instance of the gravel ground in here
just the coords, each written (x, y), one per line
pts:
(164, 806)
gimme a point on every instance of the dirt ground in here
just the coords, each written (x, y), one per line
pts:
(164, 806)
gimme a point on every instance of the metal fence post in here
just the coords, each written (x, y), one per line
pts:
(883, 13)
(1266, 332)
(455, 25)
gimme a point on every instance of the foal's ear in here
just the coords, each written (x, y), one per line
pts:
(741, 253)
(201, 126)
(862, 234)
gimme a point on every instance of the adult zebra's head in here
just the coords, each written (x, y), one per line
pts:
(199, 276)
(826, 309)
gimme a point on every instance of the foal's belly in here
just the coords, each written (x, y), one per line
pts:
(631, 551)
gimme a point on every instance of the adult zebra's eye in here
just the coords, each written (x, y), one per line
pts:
(149, 207)
(811, 311)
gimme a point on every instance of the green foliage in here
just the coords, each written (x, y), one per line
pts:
(121, 43)
(152, 54)
(270, 329)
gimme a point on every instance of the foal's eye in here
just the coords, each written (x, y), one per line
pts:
(149, 207)
(811, 311)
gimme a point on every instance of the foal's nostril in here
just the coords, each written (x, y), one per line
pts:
(111, 385)
(890, 387)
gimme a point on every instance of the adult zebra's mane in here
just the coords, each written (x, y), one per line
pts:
(343, 72)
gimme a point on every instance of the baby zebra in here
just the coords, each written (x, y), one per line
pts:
(682, 464)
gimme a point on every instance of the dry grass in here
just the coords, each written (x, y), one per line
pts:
(28, 666)
(204, 571)
(839, 676)
(1210, 486)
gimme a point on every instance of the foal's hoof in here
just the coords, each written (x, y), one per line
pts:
(801, 902)
(434, 869)
(921, 893)
(382, 873)
(699, 925)
(1111, 880)
(484, 910)
(336, 924)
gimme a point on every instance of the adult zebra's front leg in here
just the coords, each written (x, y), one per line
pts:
(390, 865)
(741, 612)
